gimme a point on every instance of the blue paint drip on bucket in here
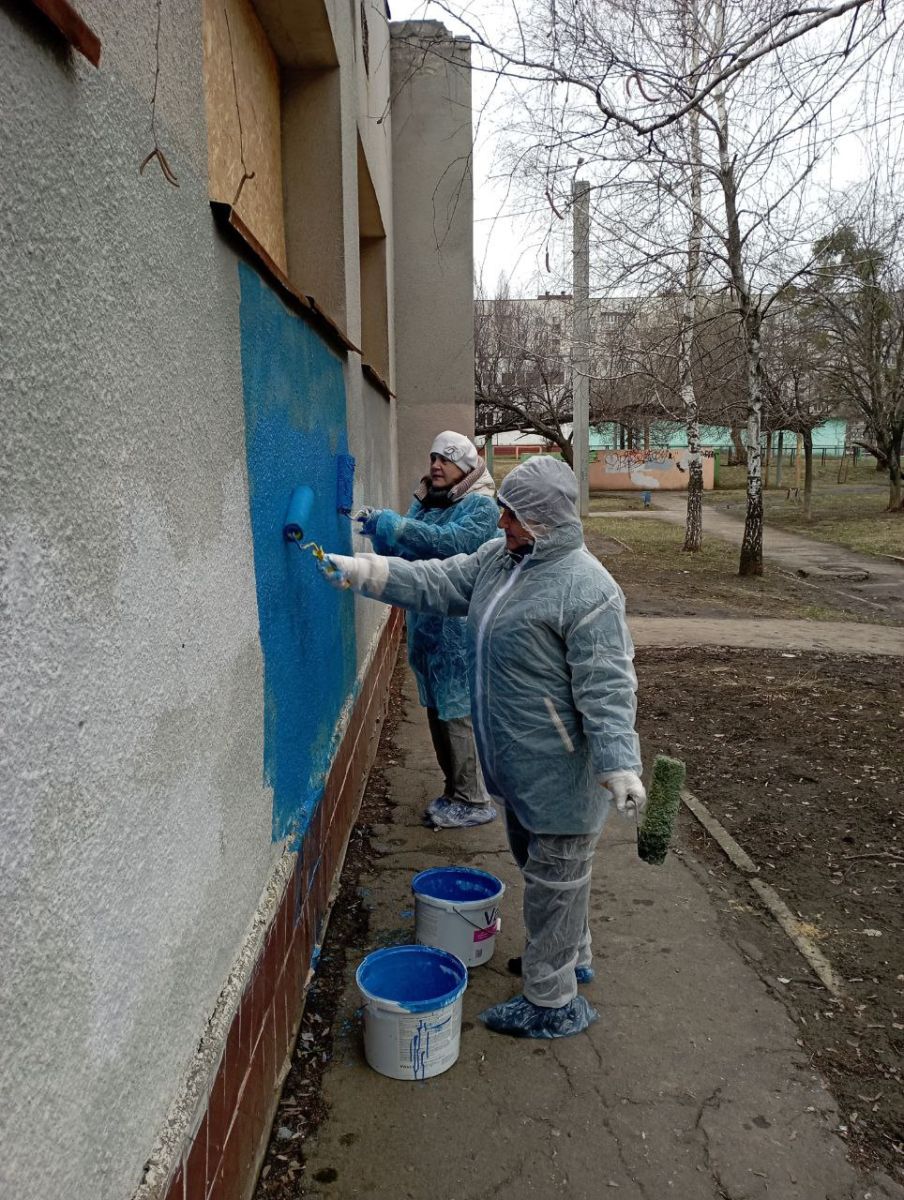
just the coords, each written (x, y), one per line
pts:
(412, 1010)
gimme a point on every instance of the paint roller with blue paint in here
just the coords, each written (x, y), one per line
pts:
(345, 484)
(301, 502)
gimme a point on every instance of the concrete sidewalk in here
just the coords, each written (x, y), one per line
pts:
(691, 1085)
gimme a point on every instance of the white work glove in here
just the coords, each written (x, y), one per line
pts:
(627, 792)
(341, 570)
(365, 573)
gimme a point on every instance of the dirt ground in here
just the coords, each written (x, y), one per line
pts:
(799, 756)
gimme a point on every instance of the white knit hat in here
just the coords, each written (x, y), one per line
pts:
(457, 449)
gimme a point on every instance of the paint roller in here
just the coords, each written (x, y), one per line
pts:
(300, 504)
(655, 831)
(345, 484)
(301, 500)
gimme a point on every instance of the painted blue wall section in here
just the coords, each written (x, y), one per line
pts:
(295, 431)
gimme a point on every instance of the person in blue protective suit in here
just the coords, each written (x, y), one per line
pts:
(453, 512)
(553, 696)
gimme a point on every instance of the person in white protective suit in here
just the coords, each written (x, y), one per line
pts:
(553, 695)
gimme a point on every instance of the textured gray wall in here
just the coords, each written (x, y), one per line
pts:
(433, 250)
(134, 829)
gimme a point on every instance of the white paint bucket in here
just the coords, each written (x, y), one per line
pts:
(457, 909)
(412, 1010)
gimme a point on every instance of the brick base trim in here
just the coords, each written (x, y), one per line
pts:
(223, 1157)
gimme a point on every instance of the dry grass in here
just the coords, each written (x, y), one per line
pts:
(843, 515)
(657, 575)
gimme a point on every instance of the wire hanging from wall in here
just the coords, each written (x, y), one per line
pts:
(168, 173)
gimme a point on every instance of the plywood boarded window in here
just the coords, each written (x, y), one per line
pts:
(244, 139)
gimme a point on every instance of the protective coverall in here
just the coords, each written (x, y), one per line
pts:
(437, 645)
(553, 702)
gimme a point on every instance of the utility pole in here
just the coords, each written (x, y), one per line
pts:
(580, 339)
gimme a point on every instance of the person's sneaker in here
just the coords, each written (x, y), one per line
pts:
(581, 974)
(455, 814)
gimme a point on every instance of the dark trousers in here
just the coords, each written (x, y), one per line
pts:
(453, 743)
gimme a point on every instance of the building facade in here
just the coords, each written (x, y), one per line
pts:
(202, 245)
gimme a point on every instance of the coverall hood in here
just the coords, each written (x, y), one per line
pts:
(543, 495)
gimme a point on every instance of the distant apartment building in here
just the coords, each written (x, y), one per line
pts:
(236, 261)
(524, 357)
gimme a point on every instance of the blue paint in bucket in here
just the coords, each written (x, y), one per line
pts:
(457, 885)
(412, 1010)
(415, 978)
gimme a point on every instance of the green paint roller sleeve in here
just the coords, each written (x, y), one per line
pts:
(655, 832)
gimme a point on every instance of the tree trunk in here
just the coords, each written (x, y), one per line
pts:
(894, 480)
(768, 461)
(739, 452)
(564, 445)
(752, 543)
(693, 527)
(750, 315)
(778, 458)
(808, 473)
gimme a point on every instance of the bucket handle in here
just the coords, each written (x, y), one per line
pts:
(468, 921)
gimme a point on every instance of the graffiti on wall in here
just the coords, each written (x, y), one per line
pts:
(646, 468)
(295, 433)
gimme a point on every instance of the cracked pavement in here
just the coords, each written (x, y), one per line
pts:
(692, 1084)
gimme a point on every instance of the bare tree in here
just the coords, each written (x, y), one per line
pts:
(795, 388)
(858, 294)
(521, 377)
(693, 114)
(700, 123)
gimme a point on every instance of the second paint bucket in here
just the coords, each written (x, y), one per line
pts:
(457, 909)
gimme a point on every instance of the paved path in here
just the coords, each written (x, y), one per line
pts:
(691, 1085)
(836, 637)
(864, 577)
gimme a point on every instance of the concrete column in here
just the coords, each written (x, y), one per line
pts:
(433, 247)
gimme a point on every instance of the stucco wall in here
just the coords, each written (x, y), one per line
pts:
(172, 680)
(135, 826)
(433, 245)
